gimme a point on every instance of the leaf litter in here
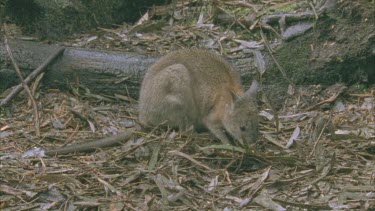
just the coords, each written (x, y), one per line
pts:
(305, 159)
(329, 165)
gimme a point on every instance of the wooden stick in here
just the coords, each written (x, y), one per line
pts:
(24, 84)
(329, 100)
(31, 76)
(92, 145)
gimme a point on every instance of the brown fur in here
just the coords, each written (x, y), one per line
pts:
(197, 88)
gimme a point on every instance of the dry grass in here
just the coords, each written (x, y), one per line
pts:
(168, 170)
(318, 159)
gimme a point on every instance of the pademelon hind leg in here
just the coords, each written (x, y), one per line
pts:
(169, 99)
(179, 99)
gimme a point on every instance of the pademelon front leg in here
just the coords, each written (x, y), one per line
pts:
(214, 122)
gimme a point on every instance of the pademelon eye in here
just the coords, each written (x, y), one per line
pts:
(242, 128)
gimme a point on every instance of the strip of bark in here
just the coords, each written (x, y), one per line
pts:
(91, 146)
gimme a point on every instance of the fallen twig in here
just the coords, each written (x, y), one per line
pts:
(92, 145)
(31, 77)
(24, 84)
(181, 154)
(329, 100)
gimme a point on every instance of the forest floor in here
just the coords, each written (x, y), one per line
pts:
(319, 156)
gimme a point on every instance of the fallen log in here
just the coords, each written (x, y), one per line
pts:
(32, 76)
(100, 71)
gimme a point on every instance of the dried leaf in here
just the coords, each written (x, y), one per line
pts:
(92, 126)
(266, 201)
(57, 124)
(293, 137)
(259, 62)
(110, 187)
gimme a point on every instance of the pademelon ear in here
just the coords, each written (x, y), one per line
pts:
(252, 92)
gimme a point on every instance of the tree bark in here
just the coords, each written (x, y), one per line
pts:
(99, 71)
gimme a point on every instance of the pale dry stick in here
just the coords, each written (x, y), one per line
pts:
(91, 146)
(362, 95)
(43, 169)
(25, 86)
(2, 13)
(17, 89)
(13, 192)
(237, 187)
(313, 8)
(329, 100)
(36, 84)
(318, 139)
(75, 131)
(181, 154)
(131, 102)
